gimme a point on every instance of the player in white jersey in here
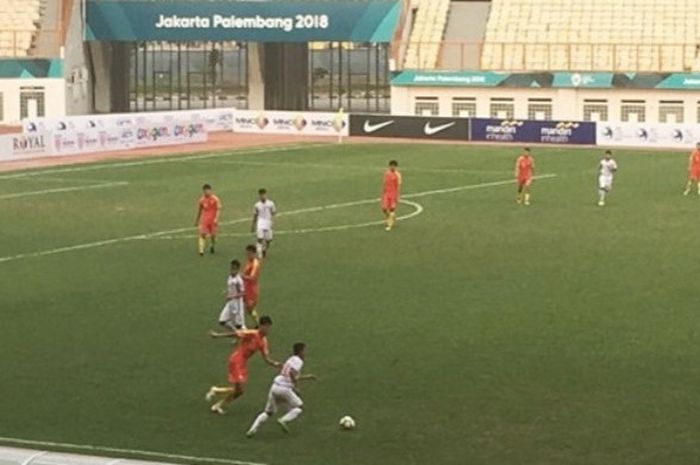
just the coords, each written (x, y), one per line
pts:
(283, 392)
(233, 313)
(606, 172)
(263, 213)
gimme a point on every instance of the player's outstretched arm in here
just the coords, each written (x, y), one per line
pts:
(218, 335)
(308, 376)
(255, 221)
(266, 356)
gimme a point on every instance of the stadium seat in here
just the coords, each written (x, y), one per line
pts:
(19, 24)
(594, 35)
(423, 49)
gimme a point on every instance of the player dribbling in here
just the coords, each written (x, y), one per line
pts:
(693, 170)
(524, 172)
(283, 392)
(263, 212)
(251, 275)
(233, 313)
(606, 173)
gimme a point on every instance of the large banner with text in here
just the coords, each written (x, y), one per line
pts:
(532, 131)
(250, 21)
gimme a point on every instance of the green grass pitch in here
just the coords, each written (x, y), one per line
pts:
(477, 332)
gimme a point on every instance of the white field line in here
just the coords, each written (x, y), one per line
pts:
(90, 245)
(418, 209)
(115, 450)
(63, 189)
(154, 161)
(356, 167)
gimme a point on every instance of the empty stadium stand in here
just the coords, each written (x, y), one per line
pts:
(20, 21)
(427, 32)
(593, 35)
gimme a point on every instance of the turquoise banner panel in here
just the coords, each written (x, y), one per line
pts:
(248, 21)
(30, 68)
(582, 80)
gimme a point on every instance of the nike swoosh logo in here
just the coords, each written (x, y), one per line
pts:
(429, 130)
(370, 128)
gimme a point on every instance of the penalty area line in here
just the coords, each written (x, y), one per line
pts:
(90, 245)
(116, 450)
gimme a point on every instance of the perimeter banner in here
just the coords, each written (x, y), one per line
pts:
(251, 21)
(414, 127)
(660, 135)
(290, 122)
(531, 131)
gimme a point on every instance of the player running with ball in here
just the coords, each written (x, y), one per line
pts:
(606, 172)
(283, 392)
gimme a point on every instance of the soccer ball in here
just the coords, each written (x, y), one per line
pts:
(347, 423)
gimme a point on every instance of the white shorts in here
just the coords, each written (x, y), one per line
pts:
(605, 182)
(232, 315)
(282, 396)
(264, 234)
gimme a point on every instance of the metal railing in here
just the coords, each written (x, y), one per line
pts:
(519, 56)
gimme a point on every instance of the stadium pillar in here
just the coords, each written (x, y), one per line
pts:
(110, 69)
(285, 69)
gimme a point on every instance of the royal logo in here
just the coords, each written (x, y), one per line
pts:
(28, 144)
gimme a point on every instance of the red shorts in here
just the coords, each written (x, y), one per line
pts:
(695, 173)
(207, 226)
(389, 202)
(250, 299)
(524, 180)
(237, 370)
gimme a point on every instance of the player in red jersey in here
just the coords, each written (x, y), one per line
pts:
(249, 342)
(209, 207)
(693, 170)
(251, 274)
(524, 171)
(390, 193)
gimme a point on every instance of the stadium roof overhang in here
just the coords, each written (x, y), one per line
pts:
(247, 21)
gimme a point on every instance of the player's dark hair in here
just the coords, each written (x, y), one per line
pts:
(527, 149)
(393, 163)
(608, 152)
(298, 348)
(264, 320)
(206, 186)
(262, 191)
(250, 248)
(235, 263)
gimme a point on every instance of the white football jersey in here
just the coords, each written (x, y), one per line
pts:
(607, 167)
(265, 211)
(285, 377)
(235, 286)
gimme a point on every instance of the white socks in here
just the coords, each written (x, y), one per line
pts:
(259, 249)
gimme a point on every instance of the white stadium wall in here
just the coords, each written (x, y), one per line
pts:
(566, 104)
(53, 90)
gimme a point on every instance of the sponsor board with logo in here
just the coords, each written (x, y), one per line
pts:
(416, 127)
(664, 135)
(290, 122)
(18, 146)
(213, 119)
(531, 131)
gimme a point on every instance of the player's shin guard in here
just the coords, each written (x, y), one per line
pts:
(259, 249)
(292, 415)
(201, 244)
(392, 219)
